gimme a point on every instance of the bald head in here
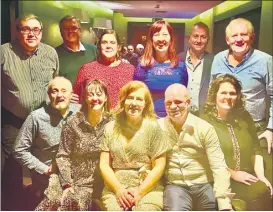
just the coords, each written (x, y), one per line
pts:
(60, 80)
(177, 90)
(176, 102)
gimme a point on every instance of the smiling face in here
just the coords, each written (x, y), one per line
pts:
(135, 103)
(29, 34)
(199, 39)
(95, 98)
(161, 40)
(109, 46)
(226, 97)
(70, 31)
(239, 37)
(60, 93)
(176, 102)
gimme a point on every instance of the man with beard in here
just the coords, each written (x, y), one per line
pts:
(198, 62)
(254, 69)
(194, 151)
(39, 137)
(72, 52)
(131, 56)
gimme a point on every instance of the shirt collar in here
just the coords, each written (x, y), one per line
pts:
(53, 111)
(16, 46)
(188, 56)
(245, 57)
(80, 49)
(188, 125)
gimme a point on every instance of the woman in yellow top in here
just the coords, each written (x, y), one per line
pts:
(133, 153)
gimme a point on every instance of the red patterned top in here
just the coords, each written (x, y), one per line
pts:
(113, 77)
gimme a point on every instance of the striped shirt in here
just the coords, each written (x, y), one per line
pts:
(25, 77)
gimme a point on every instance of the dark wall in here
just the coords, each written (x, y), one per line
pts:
(8, 9)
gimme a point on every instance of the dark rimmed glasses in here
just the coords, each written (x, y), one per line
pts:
(27, 30)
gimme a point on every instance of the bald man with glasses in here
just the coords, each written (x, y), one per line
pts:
(27, 65)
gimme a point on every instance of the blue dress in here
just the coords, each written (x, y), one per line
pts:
(158, 78)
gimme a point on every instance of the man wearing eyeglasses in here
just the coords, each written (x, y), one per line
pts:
(27, 65)
(72, 52)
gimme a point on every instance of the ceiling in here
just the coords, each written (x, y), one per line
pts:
(160, 9)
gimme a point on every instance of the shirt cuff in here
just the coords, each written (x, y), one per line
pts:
(270, 123)
(224, 203)
(41, 168)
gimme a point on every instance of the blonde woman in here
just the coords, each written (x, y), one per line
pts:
(133, 153)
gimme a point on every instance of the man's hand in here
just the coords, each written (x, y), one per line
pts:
(75, 98)
(268, 135)
(125, 198)
(51, 169)
(125, 61)
(243, 177)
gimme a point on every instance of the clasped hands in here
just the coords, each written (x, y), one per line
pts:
(127, 198)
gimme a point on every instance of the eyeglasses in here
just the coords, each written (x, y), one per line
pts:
(27, 30)
(72, 29)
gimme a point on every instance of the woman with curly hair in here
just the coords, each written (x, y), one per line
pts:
(159, 66)
(225, 110)
(133, 153)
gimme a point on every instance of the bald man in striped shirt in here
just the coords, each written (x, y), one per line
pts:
(27, 65)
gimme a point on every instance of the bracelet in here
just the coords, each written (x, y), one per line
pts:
(66, 186)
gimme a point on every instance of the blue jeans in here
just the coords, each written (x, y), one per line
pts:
(197, 197)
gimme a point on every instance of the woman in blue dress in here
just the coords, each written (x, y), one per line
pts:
(159, 66)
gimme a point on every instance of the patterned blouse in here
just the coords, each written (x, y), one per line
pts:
(79, 151)
(129, 157)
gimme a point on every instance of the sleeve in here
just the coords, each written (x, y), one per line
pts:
(105, 144)
(158, 142)
(77, 88)
(214, 67)
(257, 150)
(185, 77)
(63, 157)
(57, 69)
(269, 89)
(24, 142)
(218, 166)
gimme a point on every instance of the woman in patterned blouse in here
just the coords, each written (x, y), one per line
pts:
(79, 180)
(133, 154)
(159, 66)
(239, 142)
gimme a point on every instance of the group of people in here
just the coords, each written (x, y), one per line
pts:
(170, 132)
(131, 54)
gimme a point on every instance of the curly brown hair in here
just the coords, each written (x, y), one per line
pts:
(210, 106)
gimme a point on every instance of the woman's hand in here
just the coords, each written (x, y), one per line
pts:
(137, 195)
(243, 177)
(267, 183)
(125, 198)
